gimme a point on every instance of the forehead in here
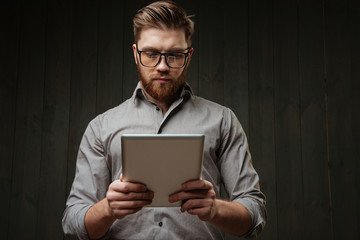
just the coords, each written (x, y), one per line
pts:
(162, 39)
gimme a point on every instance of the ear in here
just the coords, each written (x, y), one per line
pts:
(191, 51)
(135, 53)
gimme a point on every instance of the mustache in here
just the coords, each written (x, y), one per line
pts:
(160, 75)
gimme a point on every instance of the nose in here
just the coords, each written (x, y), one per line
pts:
(162, 66)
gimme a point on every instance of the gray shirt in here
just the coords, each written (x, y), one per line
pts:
(226, 163)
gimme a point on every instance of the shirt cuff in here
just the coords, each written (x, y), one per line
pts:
(258, 217)
(74, 223)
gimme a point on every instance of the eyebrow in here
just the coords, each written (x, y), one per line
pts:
(170, 50)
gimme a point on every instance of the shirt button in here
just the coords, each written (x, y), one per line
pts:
(157, 109)
(160, 224)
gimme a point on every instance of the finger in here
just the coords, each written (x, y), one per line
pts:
(126, 196)
(196, 184)
(197, 204)
(181, 196)
(119, 186)
(122, 205)
(205, 214)
(204, 208)
(185, 195)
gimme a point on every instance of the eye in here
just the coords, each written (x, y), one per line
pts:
(174, 56)
(151, 54)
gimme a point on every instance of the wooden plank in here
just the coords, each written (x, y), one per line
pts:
(313, 121)
(287, 121)
(29, 114)
(261, 107)
(9, 49)
(235, 53)
(354, 25)
(83, 76)
(211, 48)
(342, 49)
(236, 49)
(55, 132)
(110, 55)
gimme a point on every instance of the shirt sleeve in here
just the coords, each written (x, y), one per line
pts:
(91, 181)
(241, 181)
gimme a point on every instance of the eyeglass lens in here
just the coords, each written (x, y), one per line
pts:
(151, 59)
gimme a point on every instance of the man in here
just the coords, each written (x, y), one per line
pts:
(102, 205)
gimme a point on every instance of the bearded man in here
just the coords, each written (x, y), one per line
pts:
(102, 205)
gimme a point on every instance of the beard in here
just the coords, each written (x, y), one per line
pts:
(163, 92)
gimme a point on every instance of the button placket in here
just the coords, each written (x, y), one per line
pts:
(158, 116)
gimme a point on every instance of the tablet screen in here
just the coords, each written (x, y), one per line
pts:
(162, 162)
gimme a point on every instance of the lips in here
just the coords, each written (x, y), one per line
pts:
(162, 80)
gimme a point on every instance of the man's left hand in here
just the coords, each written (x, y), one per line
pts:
(198, 198)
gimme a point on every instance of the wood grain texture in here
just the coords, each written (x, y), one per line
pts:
(211, 48)
(9, 49)
(289, 173)
(341, 44)
(110, 55)
(55, 125)
(261, 106)
(313, 121)
(29, 118)
(84, 60)
(236, 62)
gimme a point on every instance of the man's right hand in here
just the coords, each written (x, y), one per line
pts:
(123, 198)
(126, 198)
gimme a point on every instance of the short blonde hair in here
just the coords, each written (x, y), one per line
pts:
(163, 15)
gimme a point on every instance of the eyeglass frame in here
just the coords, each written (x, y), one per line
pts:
(164, 54)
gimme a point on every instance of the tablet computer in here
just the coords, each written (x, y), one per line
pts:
(162, 162)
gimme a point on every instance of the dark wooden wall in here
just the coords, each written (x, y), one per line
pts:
(288, 68)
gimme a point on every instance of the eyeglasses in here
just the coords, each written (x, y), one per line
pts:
(172, 59)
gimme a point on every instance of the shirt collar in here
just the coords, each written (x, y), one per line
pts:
(139, 92)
